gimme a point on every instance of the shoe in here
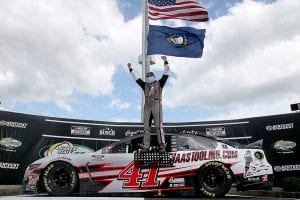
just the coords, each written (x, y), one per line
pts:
(143, 150)
(162, 148)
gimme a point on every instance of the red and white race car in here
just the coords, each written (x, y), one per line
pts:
(196, 163)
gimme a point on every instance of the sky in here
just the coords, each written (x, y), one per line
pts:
(68, 59)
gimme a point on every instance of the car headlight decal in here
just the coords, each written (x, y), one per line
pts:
(34, 166)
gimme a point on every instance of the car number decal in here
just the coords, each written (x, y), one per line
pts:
(135, 177)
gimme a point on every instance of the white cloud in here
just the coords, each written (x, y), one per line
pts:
(117, 103)
(250, 64)
(64, 106)
(52, 49)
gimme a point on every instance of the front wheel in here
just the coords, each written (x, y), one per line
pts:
(214, 179)
(60, 179)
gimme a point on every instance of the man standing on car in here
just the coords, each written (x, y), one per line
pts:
(153, 105)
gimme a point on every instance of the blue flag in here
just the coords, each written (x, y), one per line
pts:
(180, 42)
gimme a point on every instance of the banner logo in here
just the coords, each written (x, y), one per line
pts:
(191, 132)
(9, 165)
(129, 133)
(9, 144)
(216, 131)
(277, 127)
(287, 168)
(284, 145)
(107, 132)
(13, 124)
(81, 130)
(63, 148)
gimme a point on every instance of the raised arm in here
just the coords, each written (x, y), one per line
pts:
(138, 80)
(166, 74)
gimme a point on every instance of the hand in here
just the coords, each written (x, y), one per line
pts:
(129, 66)
(164, 58)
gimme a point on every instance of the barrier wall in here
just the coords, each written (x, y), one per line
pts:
(25, 138)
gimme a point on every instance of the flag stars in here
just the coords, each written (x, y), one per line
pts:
(162, 2)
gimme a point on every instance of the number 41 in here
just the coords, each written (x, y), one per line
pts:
(135, 177)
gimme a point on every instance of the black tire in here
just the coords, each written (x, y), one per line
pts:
(60, 179)
(214, 179)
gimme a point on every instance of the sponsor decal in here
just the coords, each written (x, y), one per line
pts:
(9, 165)
(259, 155)
(285, 168)
(277, 127)
(9, 144)
(216, 131)
(265, 178)
(255, 179)
(63, 148)
(258, 178)
(98, 157)
(203, 155)
(107, 132)
(13, 124)
(134, 177)
(81, 130)
(130, 133)
(284, 146)
(248, 161)
(33, 179)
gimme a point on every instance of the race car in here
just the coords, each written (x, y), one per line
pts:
(201, 165)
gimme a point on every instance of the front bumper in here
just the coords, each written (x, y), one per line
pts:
(31, 184)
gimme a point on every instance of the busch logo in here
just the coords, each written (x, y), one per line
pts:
(107, 131)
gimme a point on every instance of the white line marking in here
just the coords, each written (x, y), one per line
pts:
(78, 138)
(140, 125)
(89, 123)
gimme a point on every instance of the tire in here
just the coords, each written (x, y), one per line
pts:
(214, 179)
(60, 179)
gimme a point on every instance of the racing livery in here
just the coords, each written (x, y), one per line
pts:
(204, 165)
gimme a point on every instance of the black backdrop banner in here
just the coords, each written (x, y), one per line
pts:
(25, 138)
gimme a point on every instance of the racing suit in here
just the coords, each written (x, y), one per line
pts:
(153, 107)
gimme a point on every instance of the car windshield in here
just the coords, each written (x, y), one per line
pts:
(196, 143)
(181, 142)
(231, 143)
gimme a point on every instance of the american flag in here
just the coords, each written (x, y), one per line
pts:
(190, 10)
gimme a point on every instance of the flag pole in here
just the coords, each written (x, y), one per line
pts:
(145, 61)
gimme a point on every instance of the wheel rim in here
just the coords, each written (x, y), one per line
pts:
(60, 178)
(213, 179)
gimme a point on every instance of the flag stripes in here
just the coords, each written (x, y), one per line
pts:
(180, 9)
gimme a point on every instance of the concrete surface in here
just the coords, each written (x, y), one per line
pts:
(9, 190)
(275, 192)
